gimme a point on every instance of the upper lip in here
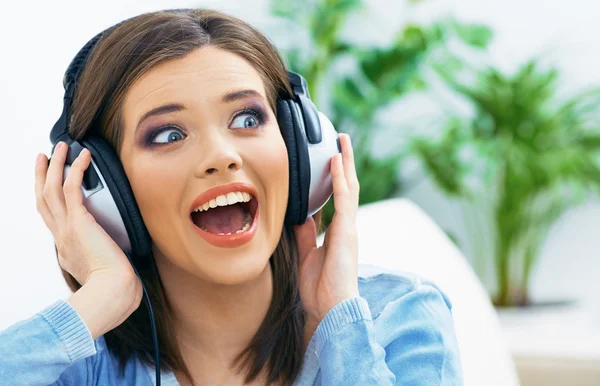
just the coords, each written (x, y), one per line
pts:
(222, 190)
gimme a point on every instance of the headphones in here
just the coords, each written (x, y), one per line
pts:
(309, 136)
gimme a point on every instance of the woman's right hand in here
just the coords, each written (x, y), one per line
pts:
(85, 250)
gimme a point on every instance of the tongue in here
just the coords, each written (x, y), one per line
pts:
(222, 219)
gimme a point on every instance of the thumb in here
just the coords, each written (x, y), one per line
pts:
(306, 237)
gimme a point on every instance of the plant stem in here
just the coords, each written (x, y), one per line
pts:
(502, 270)
(503, 243)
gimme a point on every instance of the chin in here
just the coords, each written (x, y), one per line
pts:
(235, 268)
(221, 265)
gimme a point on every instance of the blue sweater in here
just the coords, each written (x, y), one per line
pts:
(398, 332)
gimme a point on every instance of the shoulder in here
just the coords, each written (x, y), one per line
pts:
(412, 321)
(407, 309)
(383, 289)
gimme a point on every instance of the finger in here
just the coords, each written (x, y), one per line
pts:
(340, 186)
(41, 167)
(72, 186)
(306, 237)
(53, 190)
(348, 161)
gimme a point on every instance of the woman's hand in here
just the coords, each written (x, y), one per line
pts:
(329, 274)
(85, 250)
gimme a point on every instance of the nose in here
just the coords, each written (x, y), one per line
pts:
(220, 158)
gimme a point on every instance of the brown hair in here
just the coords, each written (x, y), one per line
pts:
(118, 60)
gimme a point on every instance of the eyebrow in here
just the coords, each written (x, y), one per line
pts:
(166, 109)
(176, 107)
(237, 95)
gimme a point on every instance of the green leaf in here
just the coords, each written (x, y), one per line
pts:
(475, 35)
(390, 71)
(288, 9)
(377, 177)
(441, 159)
(328, 18)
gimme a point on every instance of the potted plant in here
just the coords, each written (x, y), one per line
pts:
(379, 77)
(523, 158)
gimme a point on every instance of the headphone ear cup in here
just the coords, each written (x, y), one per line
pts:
(108, 163)
(299, 164)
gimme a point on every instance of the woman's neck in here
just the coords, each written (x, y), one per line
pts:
(214, 322)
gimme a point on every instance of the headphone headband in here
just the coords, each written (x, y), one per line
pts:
(71, 78)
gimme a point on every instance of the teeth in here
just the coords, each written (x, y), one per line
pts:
(232, 198)
(223, 200)
(246, 226)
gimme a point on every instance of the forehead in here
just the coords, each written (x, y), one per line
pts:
(202, 76)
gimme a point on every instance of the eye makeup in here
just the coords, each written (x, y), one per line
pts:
(257, 110)
(161, 130)
(253, 108)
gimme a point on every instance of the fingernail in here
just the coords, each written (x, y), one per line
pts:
(38, 157)
(59, 145)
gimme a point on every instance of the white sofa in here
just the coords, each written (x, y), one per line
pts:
(396, 235)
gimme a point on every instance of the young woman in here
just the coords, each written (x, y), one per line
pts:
(187, 101)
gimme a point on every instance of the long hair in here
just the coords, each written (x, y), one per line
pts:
(117, 61)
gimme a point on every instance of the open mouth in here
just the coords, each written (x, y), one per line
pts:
(229, 214)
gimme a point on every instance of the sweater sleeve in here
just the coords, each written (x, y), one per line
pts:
(411, 342)
(38, 350)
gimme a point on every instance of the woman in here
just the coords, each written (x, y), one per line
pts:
(265, 308)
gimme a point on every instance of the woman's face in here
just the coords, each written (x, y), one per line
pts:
(198, 123)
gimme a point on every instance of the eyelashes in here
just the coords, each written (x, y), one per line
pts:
(258, 113)
(178, 133)
(154, 134)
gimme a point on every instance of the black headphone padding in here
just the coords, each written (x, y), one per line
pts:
(112, 170)
(299, 162)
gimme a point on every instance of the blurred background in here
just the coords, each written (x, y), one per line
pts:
(483, 114)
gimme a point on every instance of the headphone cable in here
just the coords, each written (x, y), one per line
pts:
(152, 323)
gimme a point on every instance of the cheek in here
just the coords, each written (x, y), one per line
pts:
(274, 159)
(270, 161)
(157, 189)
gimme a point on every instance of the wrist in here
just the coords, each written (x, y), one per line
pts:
(104, 303)
(334, 301)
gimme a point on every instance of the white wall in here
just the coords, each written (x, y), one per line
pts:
(39, 39)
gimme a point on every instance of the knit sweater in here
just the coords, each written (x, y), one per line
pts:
(399, 331)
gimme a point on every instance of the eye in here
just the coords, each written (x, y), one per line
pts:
(166, 135)
(246, 120)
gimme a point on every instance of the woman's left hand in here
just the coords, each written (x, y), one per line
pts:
(329, 274)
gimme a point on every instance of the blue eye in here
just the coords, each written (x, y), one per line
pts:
(245, 121)
(166, 135)
(248, 118)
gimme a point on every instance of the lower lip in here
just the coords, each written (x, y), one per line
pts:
(229, 241)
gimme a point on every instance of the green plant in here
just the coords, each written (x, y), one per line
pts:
(524, 157)
(381, 76)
